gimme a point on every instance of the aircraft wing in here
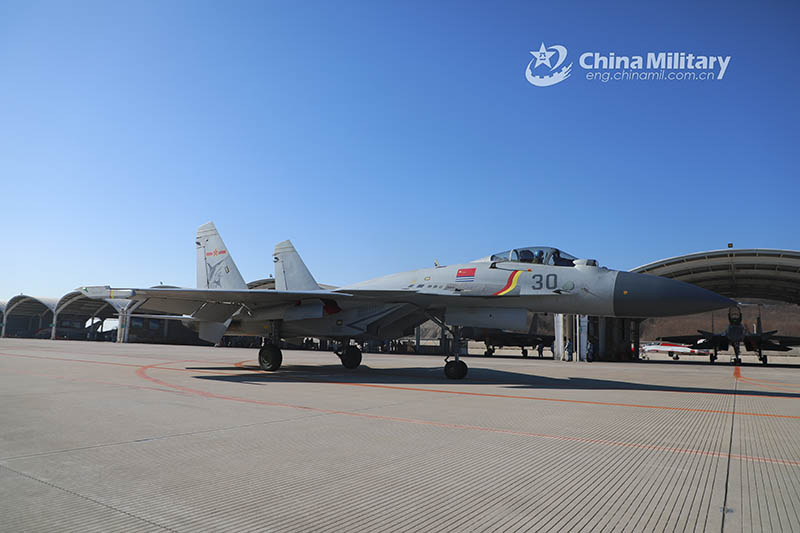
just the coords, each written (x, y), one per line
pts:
(185, 300)
(400, 295)
(785, 340)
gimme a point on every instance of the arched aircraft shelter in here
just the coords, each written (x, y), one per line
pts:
(747, 273)
(26, 315)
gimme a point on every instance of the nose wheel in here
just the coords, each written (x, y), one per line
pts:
(456, 369)
(351, 357)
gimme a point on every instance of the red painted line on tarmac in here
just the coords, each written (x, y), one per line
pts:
(84, 380)
(769, 385)
(519, 397)
(142, 372)
(783, 383)
(437, 391)
(46, 358)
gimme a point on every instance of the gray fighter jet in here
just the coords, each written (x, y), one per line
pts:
(734, 335)
(500, 291)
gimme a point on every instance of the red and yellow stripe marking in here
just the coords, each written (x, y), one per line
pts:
(510, 284)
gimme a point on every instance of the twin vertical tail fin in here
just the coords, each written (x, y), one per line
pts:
(291, 273)
(215, 270)
(215, 266)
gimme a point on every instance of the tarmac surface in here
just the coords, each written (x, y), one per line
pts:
(107, 437)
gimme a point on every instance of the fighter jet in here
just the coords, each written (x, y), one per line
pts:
(734, 335)
(499, 291)
(498, 338)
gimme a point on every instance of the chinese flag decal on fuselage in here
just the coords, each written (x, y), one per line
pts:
(465, 274)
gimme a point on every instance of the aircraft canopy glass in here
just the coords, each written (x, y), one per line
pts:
(543, 255)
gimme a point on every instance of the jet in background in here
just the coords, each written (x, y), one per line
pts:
(736, 334)
(498, 338)
(500, 291)
(672, 349)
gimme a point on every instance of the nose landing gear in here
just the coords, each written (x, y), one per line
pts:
(351, 357)
(455, 369)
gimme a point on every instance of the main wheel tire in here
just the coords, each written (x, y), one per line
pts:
(455, 369)
(487, 353)
(764, 359)
(351, 357)
(524, 352)
(712, 358)
(270, 357)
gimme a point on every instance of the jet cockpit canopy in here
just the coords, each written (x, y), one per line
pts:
(542, 255)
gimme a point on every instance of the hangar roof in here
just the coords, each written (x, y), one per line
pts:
(746, 273)
(25, 305)
(77, 303)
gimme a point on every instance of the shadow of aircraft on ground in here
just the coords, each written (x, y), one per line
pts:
(410, 377)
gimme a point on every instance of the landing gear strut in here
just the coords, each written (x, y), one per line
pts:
(736, 359)
(455, 369)
(270, 357)
(762, 357)
(524, 352)
(713, 357)
(351, 357)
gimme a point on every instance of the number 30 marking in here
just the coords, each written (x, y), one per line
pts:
(550, 281)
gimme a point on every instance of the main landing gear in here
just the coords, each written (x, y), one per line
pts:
(455, 369)
(350, 357)
(270, 357)
(712, 357)
(524, 352)
(762, 357)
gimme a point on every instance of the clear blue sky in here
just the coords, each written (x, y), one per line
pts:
(380, 136)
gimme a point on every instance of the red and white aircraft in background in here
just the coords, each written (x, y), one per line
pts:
(672, 349)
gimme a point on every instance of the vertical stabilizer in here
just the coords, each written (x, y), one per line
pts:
(215, 266)
(291, 274)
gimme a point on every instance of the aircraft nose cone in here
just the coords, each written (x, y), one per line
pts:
(644, 295)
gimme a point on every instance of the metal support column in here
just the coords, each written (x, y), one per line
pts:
(558, 343)
(123, 328)
(581, 337)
